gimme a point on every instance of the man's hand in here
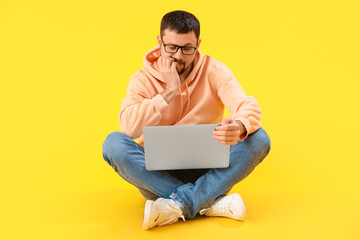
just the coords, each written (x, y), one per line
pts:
(167, 68)
(229, 132)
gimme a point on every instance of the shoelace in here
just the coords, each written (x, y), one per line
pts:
(169, 213)
(221, 207)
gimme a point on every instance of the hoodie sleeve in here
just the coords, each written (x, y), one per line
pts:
(242, 107)
(140, 107)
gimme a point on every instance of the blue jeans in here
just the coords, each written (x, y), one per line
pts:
(193, 190)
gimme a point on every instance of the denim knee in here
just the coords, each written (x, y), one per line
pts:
(256, 144)
(261, 140)
(115, 148)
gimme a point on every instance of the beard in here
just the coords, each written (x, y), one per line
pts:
(181, 66)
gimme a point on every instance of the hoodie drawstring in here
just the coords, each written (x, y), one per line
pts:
(181, 102)
(188, 97)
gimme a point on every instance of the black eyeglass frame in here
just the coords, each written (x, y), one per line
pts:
(177, 47)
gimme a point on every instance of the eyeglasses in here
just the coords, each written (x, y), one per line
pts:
(172, 48)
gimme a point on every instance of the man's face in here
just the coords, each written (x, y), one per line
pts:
(179, 39)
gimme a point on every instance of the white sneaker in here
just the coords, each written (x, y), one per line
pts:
(231, 206)
(161, 212)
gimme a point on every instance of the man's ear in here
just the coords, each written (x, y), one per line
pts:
(198, 44)
(159, 40)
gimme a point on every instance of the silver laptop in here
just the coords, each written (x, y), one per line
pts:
(184, 147)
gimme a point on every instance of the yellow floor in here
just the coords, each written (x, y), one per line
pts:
(64, 66)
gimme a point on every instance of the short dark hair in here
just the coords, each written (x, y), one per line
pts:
(180, 22)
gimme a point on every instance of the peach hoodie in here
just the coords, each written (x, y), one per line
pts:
(200, 99)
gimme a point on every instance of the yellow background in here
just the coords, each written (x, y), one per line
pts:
(64, 66)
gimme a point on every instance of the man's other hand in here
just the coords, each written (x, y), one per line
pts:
(229, 131)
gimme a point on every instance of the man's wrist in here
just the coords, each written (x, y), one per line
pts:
(168, 95)
(242, 127)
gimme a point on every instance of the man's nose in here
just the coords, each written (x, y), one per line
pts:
(178, 54)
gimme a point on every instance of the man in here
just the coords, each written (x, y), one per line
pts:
(180, 86)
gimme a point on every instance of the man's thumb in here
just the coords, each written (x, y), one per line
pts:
(226, 121)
